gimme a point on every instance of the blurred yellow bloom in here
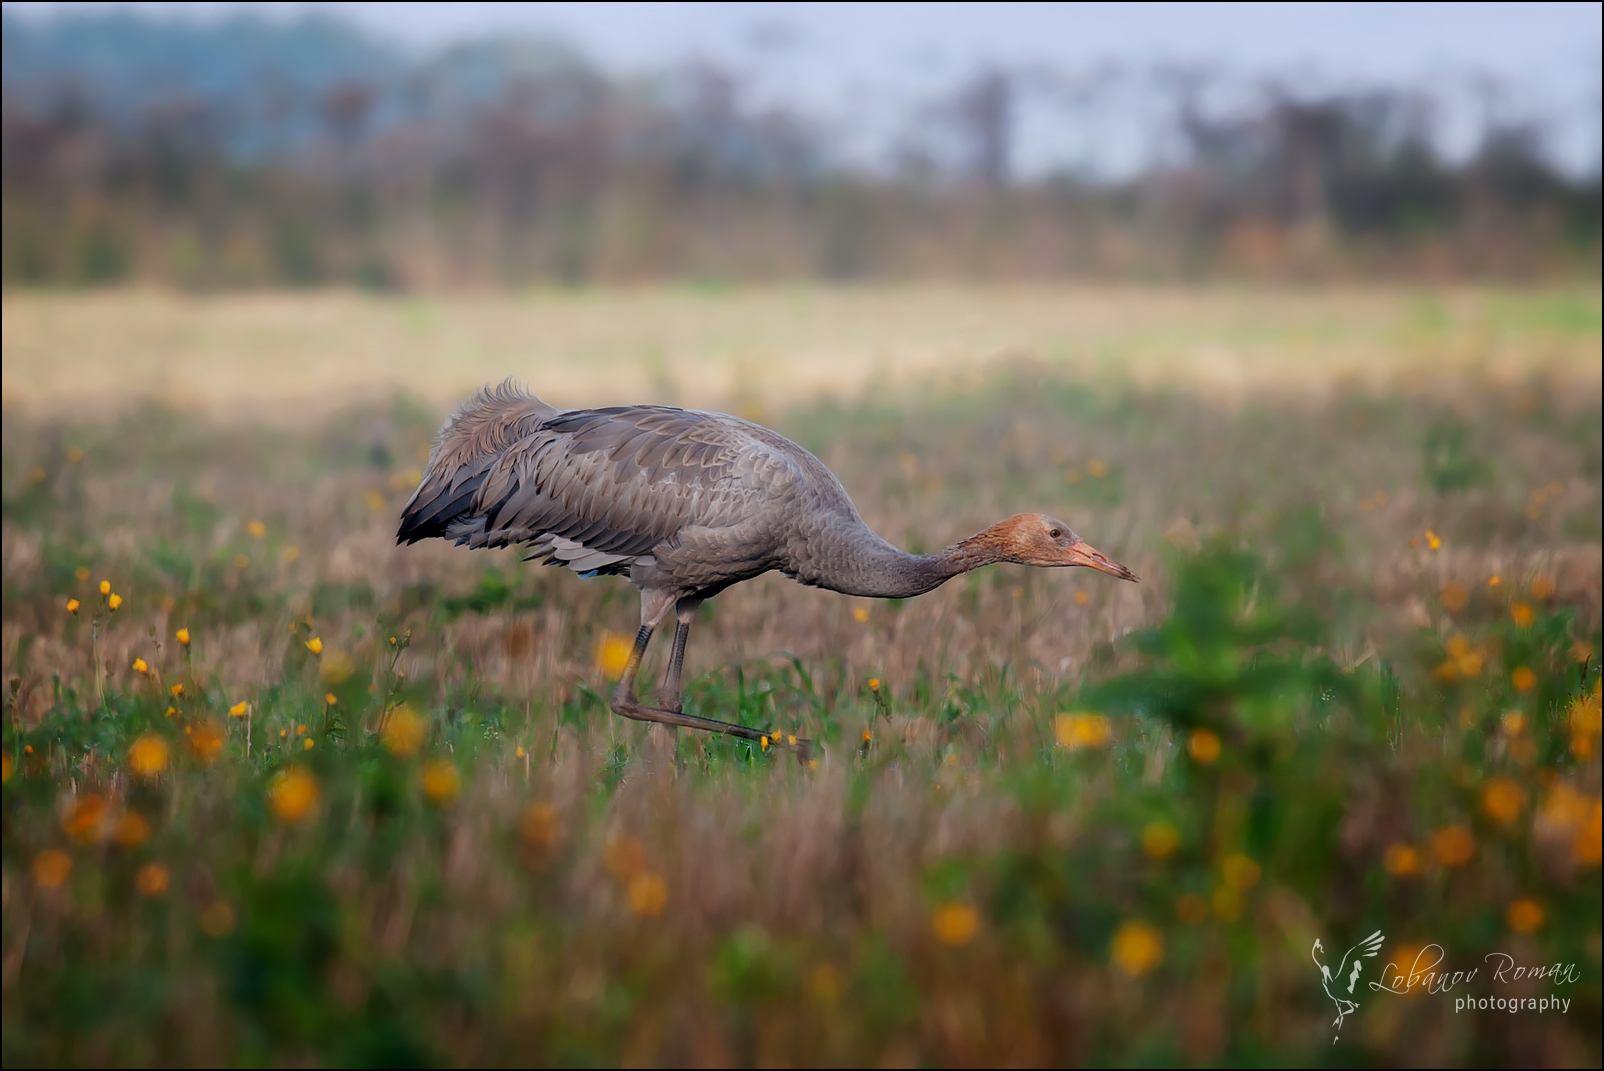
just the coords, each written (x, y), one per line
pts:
(51, 868)
(1160, 839)
(624, 857)
(330, 698)
(375, 500)
(315, 645)
(612, 655)
(518, 752)
(874, 684)
(292, 794)
(441, 782)
(217, 920)
(1502, 800)
(1521, 614)
(1455, 596)
(1432, 541)
(75, 454)
(955, 923)
(1524, 915)
(177, 689)
(539, 824)
(151, 880)
(648, 893)
(1137, 948)
(1581, 651)
(404, 732)
(291, 554)
(1096, 468)
(131, 829)
(239, 710)
(337, 667)
(7, 768)
(763, 742)
(205, 742)
(256, 528)
(1241, 872)
(860, 614)
(1081, 598)
(1493, 581)
(1077, 731)
(1514, 722)
(105, 587)
(1204, 746)
(1542, 587)
(1453, 846)
(1523, 679)
(182, 636)
(141, 666)
(85, 820)
(72, 606)
(82, 573)
(147, 756)
(113, 601)
(1401, 860)
(307, 744)
(825, 983)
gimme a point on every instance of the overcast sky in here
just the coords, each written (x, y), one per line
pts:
(831, 57)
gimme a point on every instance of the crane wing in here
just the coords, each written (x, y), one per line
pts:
(1360, 952)
(590, 488)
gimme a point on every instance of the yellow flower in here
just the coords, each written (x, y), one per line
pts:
(1077, 731)
(72, 606)
(217, 920)
(1160, 839)
(612, 655)
(292, 794)
(105, 587)
(1523, 679)
(239, 710)
(1241, 872)
(307, 744)
(1542, 587)
(1514, 722)
(151, 880)
(85, 820)
(403, 732)
(182, 636)
(131, 829)
(256, 528)
(177, 689)
(315, 645)
(441, 782)
(1096, 468)
(1432, 541)
(1453, 846)
(955, 923)
(1521, 614)
(330, 698)
(148, 755)
(764, 742)
(113, 601)
(141, 666)
(874, 684)
(1524, 915)
(374, 499)
(648, 893)
(1081, 598)
(1401, 860)
(518, 752)
(1204, 746)
(860, 614)
(1502, 800)
(291, 554)
(1455, 596)
(51, 868)
(1494, 580)
(1137, 948)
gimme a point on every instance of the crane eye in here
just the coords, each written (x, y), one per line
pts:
(1055, 533)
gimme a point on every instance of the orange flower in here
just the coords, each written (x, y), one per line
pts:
(72, 606)
(183, 636)
(51, 868)
(1524, 915)
(1502, 800)
(151, 880)
(1453, 846)
(1455, 596)
(148, 755)
(1081, 731)
(315, 645)
(113, 601)
(648, 893)
(1523, 679)
(1521, 614)
(441, 782)
(1160, 839)
(1137, 948)
(1401, 860)
(1204, 746)
(292, 794)
(141, 666)
(955, 923)
(105, 587)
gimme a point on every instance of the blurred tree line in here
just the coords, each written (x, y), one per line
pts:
(247, 153)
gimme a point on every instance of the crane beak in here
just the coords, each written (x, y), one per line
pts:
(1083, 553)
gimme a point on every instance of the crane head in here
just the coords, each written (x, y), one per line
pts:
(1037, 539)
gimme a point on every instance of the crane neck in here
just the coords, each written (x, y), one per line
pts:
(853, 559)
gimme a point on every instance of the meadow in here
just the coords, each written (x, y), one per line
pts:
(277, 792)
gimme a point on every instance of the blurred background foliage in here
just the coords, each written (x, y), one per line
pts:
(244, 151)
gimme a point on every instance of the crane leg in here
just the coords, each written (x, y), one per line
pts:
(625, 705)
(668, 696)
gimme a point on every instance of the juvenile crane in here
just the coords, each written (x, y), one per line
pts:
(684, 504)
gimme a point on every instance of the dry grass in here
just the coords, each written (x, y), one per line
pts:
(957, 892)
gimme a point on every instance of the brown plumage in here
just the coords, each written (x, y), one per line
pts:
(684, 503)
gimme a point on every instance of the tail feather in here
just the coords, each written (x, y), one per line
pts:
(493, 420)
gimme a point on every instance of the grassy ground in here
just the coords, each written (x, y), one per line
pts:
(305, 797)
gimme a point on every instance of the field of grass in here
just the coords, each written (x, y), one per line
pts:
(279, 792)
